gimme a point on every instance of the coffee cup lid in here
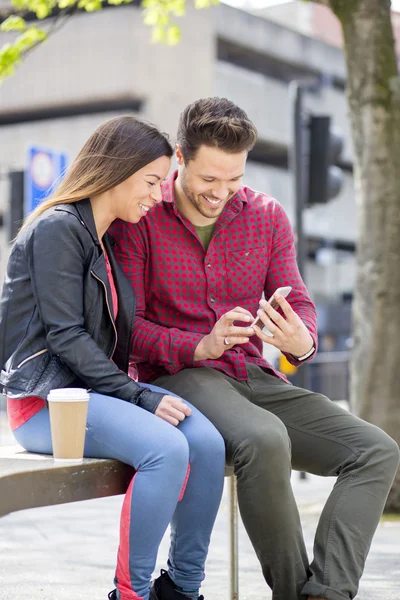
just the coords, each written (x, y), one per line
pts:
(68, 395)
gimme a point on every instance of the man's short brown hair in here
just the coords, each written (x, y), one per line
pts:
(215, 122)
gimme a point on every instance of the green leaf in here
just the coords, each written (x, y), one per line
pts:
(20, 5)
(10, 57)
(173, 35)
(199, 4)
(118, 2)
(65, 3)
(13, 23)
(177, 7)
(156, 16)
(150, 18)
(158, 35)
(11, 54)
(30, 38)
(90, 5)
(41, 8)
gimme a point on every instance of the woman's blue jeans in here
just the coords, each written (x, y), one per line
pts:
(179, 480)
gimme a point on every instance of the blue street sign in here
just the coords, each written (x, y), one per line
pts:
(45, 169)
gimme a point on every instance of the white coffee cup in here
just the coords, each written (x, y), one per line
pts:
(68, 413)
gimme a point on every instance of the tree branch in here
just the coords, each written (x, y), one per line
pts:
(159, 15)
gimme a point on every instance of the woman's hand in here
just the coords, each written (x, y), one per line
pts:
(173, 410)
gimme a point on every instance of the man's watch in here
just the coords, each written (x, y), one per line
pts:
(306, 355)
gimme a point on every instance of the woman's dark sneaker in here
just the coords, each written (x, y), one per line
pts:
(164, 588)
(112, 595)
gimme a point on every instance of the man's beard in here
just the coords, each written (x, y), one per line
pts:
(211, 214)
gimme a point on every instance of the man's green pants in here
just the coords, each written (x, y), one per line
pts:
(270, 427)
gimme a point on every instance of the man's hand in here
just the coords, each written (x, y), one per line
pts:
(173, 410)
(224, 335)
(290, 335)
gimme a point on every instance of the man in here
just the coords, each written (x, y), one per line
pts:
(199, 264)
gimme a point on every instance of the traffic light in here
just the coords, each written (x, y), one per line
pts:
(325, 179)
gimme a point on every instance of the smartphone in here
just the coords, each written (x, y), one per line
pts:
(283, 291)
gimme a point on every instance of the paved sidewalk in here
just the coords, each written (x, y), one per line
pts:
(68, 552)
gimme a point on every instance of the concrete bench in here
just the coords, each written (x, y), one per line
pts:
(30, 480)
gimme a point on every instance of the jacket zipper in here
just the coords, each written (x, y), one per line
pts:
(109, 311)
(31, 357)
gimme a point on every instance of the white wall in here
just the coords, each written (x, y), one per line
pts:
(268, 104)
(109, 55)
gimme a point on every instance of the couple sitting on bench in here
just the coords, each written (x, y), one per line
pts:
(126, 274)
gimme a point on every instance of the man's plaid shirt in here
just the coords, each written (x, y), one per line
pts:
(181, 290)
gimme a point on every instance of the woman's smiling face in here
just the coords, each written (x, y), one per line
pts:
(133, 198)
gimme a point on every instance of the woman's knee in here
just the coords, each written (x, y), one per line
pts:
(215, 444)
(173, 451)
(205, 442)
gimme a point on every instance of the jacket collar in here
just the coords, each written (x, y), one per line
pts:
(83, 211)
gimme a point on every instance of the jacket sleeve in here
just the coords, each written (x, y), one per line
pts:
(155, 344)
(283, 270)
(56, 258)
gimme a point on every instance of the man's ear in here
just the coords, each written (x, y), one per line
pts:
(179, 155)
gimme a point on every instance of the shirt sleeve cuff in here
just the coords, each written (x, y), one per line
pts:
(187, 349)
(296, 362)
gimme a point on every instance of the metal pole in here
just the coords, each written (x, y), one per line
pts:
(298, 162)
(297, 158)
(234, 539)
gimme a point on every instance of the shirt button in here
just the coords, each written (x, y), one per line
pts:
(247, 253)
(209, 266)
(212, 300)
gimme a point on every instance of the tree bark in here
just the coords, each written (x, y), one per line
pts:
(374, 101)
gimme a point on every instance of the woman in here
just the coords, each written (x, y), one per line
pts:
(66, 316)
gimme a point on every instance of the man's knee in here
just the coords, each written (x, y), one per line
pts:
(390, 451)
(382, 450)
(268, 449)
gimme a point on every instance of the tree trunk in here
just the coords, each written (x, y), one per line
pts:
(374, 102)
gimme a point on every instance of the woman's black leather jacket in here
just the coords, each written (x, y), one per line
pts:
(57, 327)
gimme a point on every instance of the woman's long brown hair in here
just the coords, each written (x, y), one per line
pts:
(117, 149)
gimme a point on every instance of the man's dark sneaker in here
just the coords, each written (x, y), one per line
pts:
(164, 588)
(112, 595)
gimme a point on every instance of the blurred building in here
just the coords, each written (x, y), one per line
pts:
(103, 64)
(314, 20)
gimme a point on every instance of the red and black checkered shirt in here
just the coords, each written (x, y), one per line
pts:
(182, 290)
